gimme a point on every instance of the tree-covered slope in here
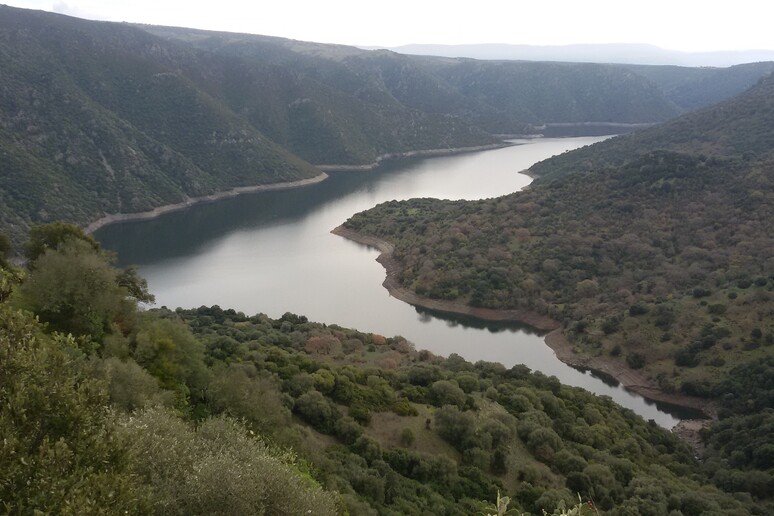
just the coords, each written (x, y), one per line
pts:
(539, 93)
(107, 408)
(660, 258)
(693, 88)
(97, 118)
(323, 102)
(500, 97)
(739, 127)
(100, 118)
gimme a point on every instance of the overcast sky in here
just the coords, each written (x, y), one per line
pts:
(686, 25)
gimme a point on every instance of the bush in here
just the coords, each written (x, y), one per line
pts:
(59, 452)
(454, 426)
(638, 309)
(635, 360)
(317, 411)
(403, 407)
(716, 309)
(444, 392)
(407, 437)
(217, 469)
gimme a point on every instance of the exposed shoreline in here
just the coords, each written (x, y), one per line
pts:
(167, 208)
(411, 154)
(630, 379)
(233, 192)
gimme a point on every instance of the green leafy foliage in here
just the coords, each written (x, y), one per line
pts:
(59, 450)
(523, 434)
(74, 290)
(661, 258)
(54, 236)
(508, 430)
(218, 468)
(83, 425)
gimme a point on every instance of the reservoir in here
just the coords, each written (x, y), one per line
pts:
(272, 252)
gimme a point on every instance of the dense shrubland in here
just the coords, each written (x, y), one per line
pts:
(198, 410)
(653, 249)
(660, 258)
(665, 263)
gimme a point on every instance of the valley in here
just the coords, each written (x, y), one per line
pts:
(245, 274)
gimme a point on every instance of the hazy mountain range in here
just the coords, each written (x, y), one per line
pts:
(589, 53)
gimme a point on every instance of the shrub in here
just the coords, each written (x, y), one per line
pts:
(217, 469)
(407, 437)
(635, 360)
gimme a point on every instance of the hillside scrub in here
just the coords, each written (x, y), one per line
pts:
(385, 428)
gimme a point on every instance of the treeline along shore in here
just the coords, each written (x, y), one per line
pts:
(629, 378)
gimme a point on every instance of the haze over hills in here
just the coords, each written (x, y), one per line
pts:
(589, 53)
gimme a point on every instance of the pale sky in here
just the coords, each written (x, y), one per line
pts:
(685, 25)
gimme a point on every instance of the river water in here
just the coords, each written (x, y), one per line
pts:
(273, 252)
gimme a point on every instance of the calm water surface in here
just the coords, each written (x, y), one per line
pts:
(273, 253)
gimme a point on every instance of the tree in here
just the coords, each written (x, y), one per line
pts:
(5, 249)
(54, 236)
(74, 289)
(444, 392)
(134, 284)
(59, 452)
(218, 468)
(455, 427)
(316, 410)
(171, 353)
(239, 391)
(407, 437)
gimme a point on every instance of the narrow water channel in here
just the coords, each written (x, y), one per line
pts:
(273, 252)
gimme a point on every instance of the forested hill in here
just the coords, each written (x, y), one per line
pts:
(655, 251)
(105, 408)
(626, 242)
(101, 118)
(500, 97)
(692, 88)
(739, 127)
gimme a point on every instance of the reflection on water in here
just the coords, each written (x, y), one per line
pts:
(273, 252)
(468, 321)
(614, 388)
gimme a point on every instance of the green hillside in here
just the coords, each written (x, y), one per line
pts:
(693, 88)
(499, 97)
(654, 236)
(107, 408)
(102, 118)
(737, 128)
(653, 251)
(98, 119)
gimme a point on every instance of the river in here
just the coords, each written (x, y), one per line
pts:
(273, 252)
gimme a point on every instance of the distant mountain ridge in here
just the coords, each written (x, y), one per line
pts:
(101, 118)
(738, 127)
(623, 53)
